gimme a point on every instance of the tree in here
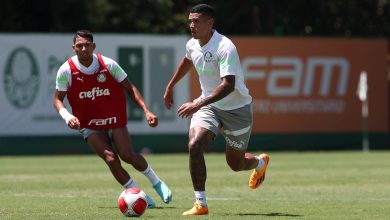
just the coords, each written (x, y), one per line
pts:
(348, 18)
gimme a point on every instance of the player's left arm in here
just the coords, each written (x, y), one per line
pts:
(224, 89)
(137, 98)
(121, 76)
(221, 91)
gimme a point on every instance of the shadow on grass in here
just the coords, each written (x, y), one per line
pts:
(158, 207)
(272, 214)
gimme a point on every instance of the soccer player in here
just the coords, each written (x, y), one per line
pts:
(225, 104)
(95, 88)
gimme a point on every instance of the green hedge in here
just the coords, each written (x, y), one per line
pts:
(169, 143)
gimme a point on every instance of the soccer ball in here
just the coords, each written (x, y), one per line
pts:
(132, 202)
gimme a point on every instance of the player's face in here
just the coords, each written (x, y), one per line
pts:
(83, 48)
(200, 25)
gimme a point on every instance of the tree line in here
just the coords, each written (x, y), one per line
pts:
(332, 18)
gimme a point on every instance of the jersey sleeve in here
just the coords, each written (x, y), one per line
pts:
(188, 52)
(228, 60)
(63, 78)
(116, 71)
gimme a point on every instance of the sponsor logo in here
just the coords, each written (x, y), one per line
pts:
(311, 83)
(302, 82)
(103, 121)
(95, 92)
(234, 144)
(80, 78)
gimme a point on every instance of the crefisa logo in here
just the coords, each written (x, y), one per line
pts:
(21, 78)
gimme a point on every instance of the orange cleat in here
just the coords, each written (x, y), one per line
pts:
(198, 209)
(258, 176)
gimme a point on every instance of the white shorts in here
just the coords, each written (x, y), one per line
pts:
(235, 125)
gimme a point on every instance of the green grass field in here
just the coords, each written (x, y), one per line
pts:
(331, 185)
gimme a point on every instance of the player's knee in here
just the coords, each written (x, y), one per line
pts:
(109, 157)
(235, 165)
(194, 146)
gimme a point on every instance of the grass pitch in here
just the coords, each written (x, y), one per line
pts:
(331, 185)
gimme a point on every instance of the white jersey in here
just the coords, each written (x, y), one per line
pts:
(216, 59)
(64, 78)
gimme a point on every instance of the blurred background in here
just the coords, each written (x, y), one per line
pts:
(303, 60)
(348, 18)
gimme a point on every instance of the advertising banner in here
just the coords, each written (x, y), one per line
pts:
(29, 64)
(310, 85)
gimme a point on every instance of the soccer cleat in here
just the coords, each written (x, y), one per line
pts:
(163, 191)
(151, 203)
(258, 176)
(198, 209)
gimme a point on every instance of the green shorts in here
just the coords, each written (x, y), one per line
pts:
(235, 125)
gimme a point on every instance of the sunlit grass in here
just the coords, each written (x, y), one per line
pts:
(331, 185)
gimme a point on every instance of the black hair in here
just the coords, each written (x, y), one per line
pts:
(84, 34)
(203, 9)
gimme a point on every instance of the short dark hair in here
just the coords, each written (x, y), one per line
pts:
(203, 9)
(84, 34)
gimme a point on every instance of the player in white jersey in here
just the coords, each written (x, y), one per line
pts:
(224, 105)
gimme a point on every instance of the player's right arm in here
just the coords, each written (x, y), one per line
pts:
(58, 103)
(184, 67)
(63, 82)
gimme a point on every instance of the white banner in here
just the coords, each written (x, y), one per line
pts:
(28, 67)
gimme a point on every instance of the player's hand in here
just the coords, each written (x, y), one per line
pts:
(74, 123)
(151, 119)
(168, 98)
(188, 109)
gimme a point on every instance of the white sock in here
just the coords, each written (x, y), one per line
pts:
(151, 175)
(130, 184)
(260, 164)
(200, 198)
